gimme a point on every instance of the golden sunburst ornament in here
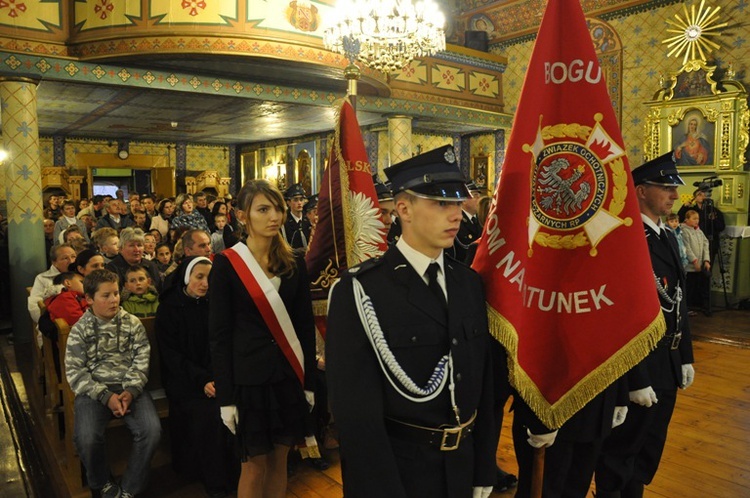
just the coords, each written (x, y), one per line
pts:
(694, 32)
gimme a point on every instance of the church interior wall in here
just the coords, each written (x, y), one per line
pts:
(644, 61)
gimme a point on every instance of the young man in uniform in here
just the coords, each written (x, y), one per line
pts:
(408, 352)
(631, 454)
(470, 229)
(297, 227)
(387, 210)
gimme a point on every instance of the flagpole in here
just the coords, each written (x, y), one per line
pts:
(537, 473)
(352, 73)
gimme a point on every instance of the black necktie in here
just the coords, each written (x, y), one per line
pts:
(432, 283)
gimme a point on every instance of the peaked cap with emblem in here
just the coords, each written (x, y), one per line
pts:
(473, 187)
(432, 175)
(294, 190)
(312, 203)
(381, 189)
(659, 171)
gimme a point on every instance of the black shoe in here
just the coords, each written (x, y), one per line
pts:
(216, 493)
(320, 463)
(505, 481)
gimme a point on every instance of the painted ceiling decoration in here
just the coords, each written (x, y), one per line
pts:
(256, 64)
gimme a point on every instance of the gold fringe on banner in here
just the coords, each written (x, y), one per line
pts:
(320, 307)
(554, 416)
(344, 183)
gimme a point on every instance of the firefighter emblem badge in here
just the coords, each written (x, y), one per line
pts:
(579, 185)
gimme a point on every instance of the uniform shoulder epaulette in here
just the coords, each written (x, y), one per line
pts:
(365, 266)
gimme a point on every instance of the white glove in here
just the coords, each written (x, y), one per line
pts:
(310, 398)
(644, 397)
(688, 374)
(619, 417)
(541, 440)
(481, 491)
(230, 418)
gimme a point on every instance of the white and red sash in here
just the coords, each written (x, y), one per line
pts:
(270, 305)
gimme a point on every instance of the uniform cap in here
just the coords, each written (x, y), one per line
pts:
(312, 203)
(294, 190)
(659, 171)
(382, 190)
(473, 187)
(432, 175)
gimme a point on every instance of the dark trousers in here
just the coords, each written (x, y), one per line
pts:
(201, 444)
(426, 471)
(568, 466)
(633, 450)
(698, 290)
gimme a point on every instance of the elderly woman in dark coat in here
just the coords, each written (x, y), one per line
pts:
(199, 440)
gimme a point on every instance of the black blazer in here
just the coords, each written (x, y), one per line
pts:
(662, 368)
(418, 333)
(468, 232)
(297, 233)
(243, 351)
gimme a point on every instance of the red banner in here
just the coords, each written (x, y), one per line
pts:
(349, 228)
(570, 290)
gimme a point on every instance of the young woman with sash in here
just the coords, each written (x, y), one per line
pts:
(262, 342)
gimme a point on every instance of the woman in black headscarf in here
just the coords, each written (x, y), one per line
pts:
(199, 441)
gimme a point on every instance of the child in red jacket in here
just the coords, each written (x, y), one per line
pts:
(70, 303)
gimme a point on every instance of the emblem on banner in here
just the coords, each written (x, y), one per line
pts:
(579, 185)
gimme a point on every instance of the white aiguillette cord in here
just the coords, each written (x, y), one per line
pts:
(388, 362)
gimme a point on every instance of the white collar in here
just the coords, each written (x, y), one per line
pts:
(416, 259)
(72, 220)
(653, 226)
(295, 218)
(468, 214)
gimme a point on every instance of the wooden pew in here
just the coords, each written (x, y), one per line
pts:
(73, 469)
(53, 387)
(37, 364)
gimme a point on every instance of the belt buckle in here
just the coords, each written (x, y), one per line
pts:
(447, 433)
(676, 341)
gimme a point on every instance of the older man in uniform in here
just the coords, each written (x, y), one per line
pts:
(631, 453)
(297, 228)
(408, 352)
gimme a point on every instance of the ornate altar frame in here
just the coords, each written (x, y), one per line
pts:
(706, 123)
(480, 165)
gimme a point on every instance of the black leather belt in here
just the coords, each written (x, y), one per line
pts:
(673, 340)
(445, 438)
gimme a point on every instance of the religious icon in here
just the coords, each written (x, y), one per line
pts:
(692, 139)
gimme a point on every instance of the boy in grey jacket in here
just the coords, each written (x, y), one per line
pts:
(106, 364)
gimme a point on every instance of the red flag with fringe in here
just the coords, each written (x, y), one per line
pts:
(571, 294)
(349, 228)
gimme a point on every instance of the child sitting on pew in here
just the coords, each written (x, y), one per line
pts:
(64, 300)
(106, 364)
(70, 303)
(139, 296)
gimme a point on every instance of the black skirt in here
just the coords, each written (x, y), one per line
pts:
(269, 414)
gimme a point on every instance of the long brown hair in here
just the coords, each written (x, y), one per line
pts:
(281, 255)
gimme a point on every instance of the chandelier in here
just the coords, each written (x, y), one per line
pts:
(385, 34)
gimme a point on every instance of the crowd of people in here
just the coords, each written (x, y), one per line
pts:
(114, 260)
(247, 377)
